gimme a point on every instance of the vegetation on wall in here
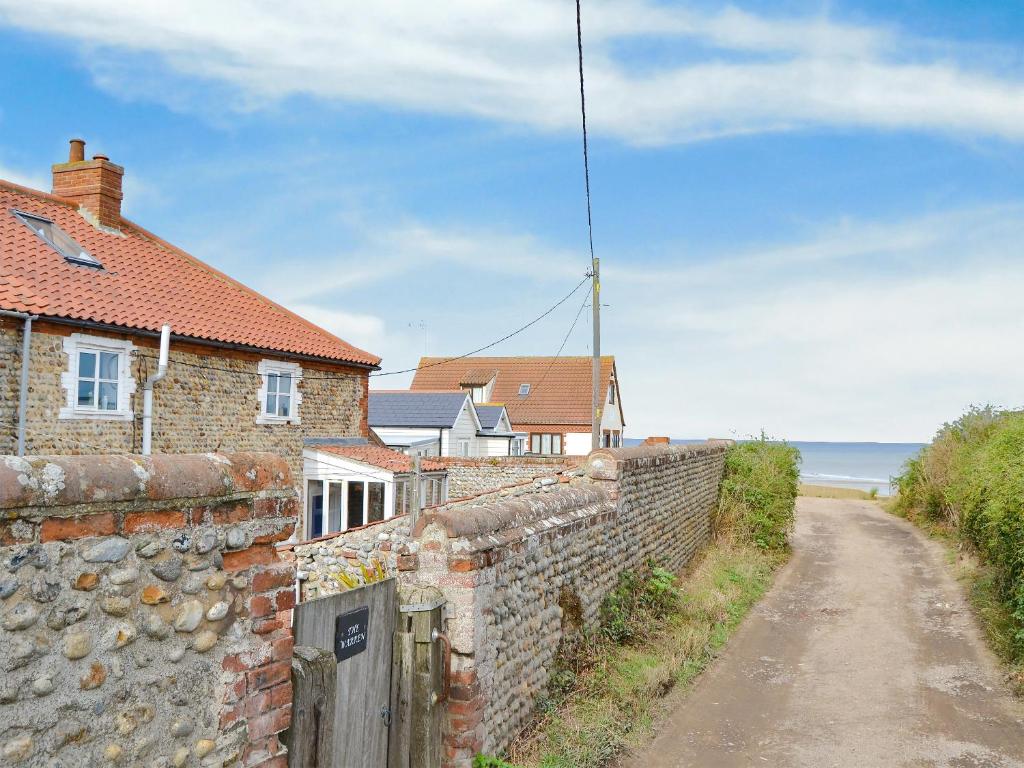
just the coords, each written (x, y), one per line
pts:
(969, 484)
(659, 630)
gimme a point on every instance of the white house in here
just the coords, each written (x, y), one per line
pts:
(496, 436)
(349, 484)
(425, 423)
(549, 399)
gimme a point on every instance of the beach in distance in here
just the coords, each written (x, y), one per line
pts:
(862, 466)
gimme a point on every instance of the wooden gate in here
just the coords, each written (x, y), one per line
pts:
(358, 627)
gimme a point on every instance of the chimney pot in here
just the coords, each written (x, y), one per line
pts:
(100, 157)
(77, 153)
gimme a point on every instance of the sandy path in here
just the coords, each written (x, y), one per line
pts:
(863, 654)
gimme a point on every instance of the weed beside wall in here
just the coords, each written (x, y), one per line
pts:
(758, 492)
(970, 481)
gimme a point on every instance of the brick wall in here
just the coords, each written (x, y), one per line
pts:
(472, 476)
(195, 409)
(143, 610)
(521, 570)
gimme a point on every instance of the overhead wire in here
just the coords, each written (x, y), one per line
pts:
(335, 377)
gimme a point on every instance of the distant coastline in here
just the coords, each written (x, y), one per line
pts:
(860, 465)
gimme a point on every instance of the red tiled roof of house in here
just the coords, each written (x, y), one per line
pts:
(145, 282)
(384, 458)
(560, 387)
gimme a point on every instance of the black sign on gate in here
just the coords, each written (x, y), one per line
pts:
(350, 632)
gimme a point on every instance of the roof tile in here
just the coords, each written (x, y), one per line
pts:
(145, 282)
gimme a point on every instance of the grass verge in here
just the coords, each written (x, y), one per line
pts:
(616, 702)
(658, 632)
(829, 492)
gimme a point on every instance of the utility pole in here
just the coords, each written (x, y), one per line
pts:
(595, 300)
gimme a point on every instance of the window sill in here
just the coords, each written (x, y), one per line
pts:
(72, 414)
(265, 419)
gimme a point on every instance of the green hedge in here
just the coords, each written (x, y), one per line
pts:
(758, 492)
(971, 479)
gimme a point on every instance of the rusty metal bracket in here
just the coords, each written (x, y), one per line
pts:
(446, 679)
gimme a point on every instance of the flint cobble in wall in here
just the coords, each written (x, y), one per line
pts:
(195, 409)
(471, 477)
(520, 572)
(142, 610)
(343, 561)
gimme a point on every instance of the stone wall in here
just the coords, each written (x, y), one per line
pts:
(195, 409)
(341, 561)
(521, 571)
(144, 610)
(468, 477)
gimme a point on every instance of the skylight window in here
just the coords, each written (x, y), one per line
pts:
(58, 239)
(524, 390)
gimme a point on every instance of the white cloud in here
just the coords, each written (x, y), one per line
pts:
(24, 179)
(864, 330)
(841, 337)
(514, 62)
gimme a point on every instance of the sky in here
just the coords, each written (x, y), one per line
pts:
(809, 215)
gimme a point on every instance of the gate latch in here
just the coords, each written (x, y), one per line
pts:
(385, 715)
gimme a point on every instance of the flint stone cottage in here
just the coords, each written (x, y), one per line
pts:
(548, 399)
(86, 292)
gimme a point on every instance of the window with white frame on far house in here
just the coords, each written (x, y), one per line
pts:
(545, 444)
(279, 395)
(98, 382)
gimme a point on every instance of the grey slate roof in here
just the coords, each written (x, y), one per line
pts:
(415, 409)
(489, 415)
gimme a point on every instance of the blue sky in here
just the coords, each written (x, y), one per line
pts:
(809, 214)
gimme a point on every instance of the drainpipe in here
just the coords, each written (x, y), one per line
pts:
(26, 344)
(147, 391)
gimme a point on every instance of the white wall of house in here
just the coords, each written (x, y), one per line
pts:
(577, 443)
(492, 446)
(465, 428)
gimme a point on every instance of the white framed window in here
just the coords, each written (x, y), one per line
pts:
(545, 444)
(463, 447)
(98, 382)
(279, 395)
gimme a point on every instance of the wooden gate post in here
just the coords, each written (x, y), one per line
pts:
(418, 680)
(314, 680)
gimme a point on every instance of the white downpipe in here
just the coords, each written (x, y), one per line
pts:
(26, 350)
(147, 391)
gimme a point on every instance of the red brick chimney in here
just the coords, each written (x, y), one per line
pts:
(95, 184)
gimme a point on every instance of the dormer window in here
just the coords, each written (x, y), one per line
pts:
(524, 390)
(58, 239)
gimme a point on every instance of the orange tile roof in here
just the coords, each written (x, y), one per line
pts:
(385, 458)
(145, 282)
(560, 387)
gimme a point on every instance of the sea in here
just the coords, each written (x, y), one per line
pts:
(847, 465)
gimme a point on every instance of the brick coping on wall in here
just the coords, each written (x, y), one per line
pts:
(63, 485)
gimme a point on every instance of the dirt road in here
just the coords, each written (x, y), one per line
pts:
(863, 654)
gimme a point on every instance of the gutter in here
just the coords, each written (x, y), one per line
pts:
(26, 344)
(147, 391)
(209, 342)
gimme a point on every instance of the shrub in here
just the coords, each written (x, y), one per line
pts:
(757, 498)
(971, 480)
(636, 601)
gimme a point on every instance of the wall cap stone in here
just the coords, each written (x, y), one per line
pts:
(605, 463)
(473, 520)
(102, 480)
